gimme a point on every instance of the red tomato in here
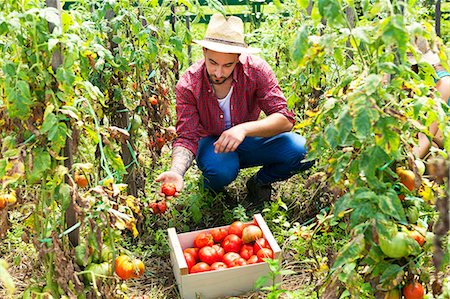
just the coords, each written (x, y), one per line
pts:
(200, 267)
(169, 189)
(413, 290)
(230, 259)
(252, 260)
(208, 255)
(193, 251)
(218, 266)
(203, 239)
(260, 243)
(220, 251)
(236, 228)
(246, 251)
(240, 261)
(232, 243)
(264, 253)
(190, 260)
(219, 234)
(162, 206)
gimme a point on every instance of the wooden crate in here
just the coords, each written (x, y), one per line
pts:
(219, 283)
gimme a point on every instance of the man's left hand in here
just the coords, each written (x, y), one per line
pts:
(229, 140)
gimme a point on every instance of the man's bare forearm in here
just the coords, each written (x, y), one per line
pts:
(181, 160)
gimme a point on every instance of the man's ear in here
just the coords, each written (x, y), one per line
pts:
(204, 50)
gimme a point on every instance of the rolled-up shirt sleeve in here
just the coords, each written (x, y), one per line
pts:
(188, 120)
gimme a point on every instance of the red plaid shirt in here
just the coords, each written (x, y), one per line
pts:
(255, 88)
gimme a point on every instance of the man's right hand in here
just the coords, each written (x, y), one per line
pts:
(171, 177)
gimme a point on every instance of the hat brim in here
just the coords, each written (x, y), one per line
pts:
(429, 57)
(224, 48)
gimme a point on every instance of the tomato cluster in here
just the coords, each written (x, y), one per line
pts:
(220, 248)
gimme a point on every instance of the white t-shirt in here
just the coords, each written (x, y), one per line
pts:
(225, 106)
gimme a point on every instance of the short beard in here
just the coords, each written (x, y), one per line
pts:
(218, 83)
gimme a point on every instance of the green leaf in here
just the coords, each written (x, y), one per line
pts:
(19, 100)
(216, 5)
(362, 124)
(388, 139)
(57, 136)
(41, 163)
(344, 125)
(115, 160)
(331, 134)
(301, 45)
(390, 204)
(372, 83)
(391, 273)
(370, 160)
(362, 212)
(332, 11)
(64, 193)
(350, 252)
(394, 33)
(362, 33)
(50, 121)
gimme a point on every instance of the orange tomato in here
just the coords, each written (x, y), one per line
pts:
(406, 177)
(2, 202)
(81, 180)
(127, 268)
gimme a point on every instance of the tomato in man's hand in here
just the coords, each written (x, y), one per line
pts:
(169, 189)
(232, 243)
(203, 239)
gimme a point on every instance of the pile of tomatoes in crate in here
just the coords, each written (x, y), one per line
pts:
(238, 245)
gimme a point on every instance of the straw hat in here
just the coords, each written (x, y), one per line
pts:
(423, 48)
(225, 35)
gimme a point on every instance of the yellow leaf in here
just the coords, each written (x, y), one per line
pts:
(307, 122)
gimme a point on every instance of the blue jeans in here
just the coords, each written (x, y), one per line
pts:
(280, 157)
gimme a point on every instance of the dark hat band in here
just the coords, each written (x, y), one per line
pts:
(227, 42)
